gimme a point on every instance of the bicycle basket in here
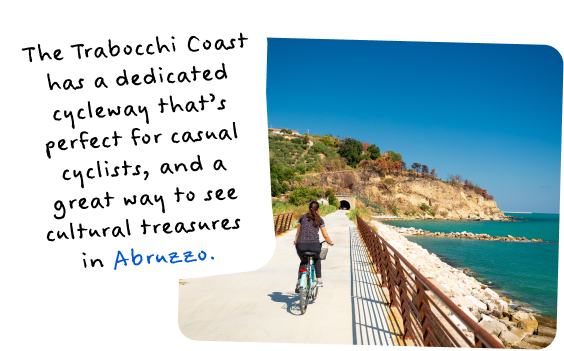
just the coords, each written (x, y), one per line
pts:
(324, 250)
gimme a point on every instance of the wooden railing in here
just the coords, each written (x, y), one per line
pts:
(425, 323)
(282, 222)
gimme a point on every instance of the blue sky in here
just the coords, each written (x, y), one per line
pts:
(489, 112)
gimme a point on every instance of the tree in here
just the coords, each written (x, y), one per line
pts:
(434, 173)
(455, 179)
(381, 167)
(351, 150)
(374, 152)
(416, 166)
(396, 166)
(394, 156)
(285, 131)
(424, 169)
(303, 195)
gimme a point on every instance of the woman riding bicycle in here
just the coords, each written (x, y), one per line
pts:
(307, 239)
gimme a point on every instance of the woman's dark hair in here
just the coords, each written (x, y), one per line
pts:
(312, 214)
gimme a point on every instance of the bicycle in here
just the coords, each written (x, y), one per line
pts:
(308, 283)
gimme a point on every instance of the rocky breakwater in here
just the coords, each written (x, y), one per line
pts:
(514, 329)
(464, 235)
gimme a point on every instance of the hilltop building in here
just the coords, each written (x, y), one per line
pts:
(279, 131)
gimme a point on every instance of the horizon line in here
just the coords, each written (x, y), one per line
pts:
(532, 212)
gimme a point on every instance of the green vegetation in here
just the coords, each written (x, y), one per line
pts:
(284, 207)
(363, 213)
(394, 156)
(352, 151)
(375, 207)
(374, 152)
(291, 156)
(330, 195)
(303, 195)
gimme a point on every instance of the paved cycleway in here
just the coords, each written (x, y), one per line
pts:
(261, 306)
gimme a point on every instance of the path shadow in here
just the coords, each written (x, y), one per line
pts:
(290, 301)
(373, 321)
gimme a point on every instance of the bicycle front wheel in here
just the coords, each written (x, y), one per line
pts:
(304, 296)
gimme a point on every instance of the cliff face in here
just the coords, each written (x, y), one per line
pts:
(408, 193)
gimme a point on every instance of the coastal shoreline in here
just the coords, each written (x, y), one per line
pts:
(485, 304)
(516, 304)
(462, 235)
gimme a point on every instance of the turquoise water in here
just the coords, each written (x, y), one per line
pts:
(528, 272)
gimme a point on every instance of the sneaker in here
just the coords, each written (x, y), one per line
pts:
(320, 283)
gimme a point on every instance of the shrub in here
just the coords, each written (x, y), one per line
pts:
(303, 195)
(363, 213)
(424, 207)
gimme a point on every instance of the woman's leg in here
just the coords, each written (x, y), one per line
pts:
(316, 247)
(300, 249)
(317, 263)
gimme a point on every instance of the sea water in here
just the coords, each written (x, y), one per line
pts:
(526, 271)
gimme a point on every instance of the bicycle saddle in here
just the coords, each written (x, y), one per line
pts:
(310, 254)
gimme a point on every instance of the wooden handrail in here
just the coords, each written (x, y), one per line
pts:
(394, 277)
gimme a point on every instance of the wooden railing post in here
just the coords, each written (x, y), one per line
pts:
(276, 225)
(290, 216)
(404, 303)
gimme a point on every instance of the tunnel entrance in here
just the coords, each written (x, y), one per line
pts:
(344, 205)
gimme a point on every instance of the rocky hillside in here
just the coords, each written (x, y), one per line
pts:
(410, 196)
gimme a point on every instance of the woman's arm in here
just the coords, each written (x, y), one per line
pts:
(326, 236)
(297, 233)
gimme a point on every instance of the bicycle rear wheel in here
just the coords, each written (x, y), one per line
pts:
(314, 294)
(304, 296)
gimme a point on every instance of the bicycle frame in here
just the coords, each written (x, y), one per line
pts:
(311, 271)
